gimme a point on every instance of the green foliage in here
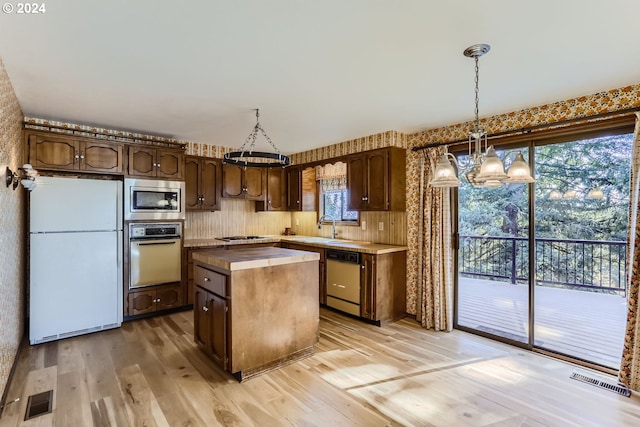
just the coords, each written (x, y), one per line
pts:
(603, 162)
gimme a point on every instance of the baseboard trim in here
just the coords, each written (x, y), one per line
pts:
(23, 343)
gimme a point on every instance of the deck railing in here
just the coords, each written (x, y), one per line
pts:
(577, 264)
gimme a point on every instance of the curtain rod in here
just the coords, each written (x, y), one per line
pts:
(522, 131)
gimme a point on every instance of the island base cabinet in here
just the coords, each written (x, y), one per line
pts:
(210, 325)
(250, 320)
(281, 322)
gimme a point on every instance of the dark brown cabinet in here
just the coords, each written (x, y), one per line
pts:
(275, 196)
(376, 180)
(152, 299)
(300, 188)
(69, 153)
(210, 314)
(155, 162)
(241, 182)
(203, 183)
(383, 286)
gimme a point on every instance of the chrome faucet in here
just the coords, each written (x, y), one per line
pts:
(333, 225)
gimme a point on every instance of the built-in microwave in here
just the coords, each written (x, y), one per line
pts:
(150, 199)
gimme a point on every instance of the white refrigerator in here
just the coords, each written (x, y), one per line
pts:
(75, 257)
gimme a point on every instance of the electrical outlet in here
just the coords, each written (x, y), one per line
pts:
(363, 225)
(297, 221)
(381, 226)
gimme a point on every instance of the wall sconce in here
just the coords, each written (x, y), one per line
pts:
(26, 175)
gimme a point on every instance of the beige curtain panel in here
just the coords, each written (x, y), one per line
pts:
(435, 281)
(630, 366)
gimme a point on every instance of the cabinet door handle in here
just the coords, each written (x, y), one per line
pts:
(204, 308)
(157, 165)
(77, 156)
(158, 300)
(206, 279)
(81, 156)
(298, 201)
(202, 198)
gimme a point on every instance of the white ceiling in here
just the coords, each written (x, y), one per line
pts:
(321, 72)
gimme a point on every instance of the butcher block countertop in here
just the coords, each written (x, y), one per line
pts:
(322, 242)
(248, 258)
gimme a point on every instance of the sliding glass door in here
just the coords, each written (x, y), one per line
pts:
(493, 259)
(546, 269)
(582, 205)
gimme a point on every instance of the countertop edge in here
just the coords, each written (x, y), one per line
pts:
(352, 245)
(218, 259)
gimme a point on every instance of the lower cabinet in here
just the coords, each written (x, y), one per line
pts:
(210, 314)
(152, 299)
(383, 286)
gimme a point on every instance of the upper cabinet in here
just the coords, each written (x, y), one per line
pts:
(71, 153)
(155, 162)
(376, 180)
(203, 183)
(241, 182)
(275, 196)
(300, 188)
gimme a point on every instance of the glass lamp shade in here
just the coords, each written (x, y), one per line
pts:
(28, 184)
(492, 183)
(595, 193)
(519, 171)
(492, 168)
(444, 174)
(555, 195)
(570, 194)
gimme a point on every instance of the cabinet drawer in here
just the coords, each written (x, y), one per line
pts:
(211, 280)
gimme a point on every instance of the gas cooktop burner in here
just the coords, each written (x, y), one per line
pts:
(232, 238)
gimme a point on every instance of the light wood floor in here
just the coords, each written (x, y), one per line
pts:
(149, 373)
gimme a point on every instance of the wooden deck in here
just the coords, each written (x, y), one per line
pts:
(581, 324)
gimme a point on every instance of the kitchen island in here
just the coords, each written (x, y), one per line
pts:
(255, 309)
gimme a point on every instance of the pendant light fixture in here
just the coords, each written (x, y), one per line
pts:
(484, 169)
(245, 156)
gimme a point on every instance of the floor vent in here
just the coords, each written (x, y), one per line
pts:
(39, 404)
(620, 389)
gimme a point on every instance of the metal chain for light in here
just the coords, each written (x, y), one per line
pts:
(477, 110)
(476, 134)
(240, 158)
(252, 136)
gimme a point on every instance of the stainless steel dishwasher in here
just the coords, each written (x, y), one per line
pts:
(343, 281)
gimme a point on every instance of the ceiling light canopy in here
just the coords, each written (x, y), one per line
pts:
(483, 169)
(245, 156)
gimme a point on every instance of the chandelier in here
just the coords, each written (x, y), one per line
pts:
(483, 169)
(245, 156)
